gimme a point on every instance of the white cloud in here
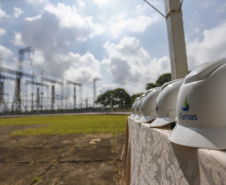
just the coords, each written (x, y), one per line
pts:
(131, 25)
(101, 2)
(57, 27)
(38, 58)
(53, 31)
(2, 32)
(3, 14)
(212, 46)
(83, 68)
(5, 52)
(74, 67)
(70, 18)
(36, 2)
(81, 4)
(131, 66)
(17, 39)
(17, 12)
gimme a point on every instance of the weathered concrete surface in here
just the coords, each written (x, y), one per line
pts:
(101, 173)
(67, 159)
(20, 173)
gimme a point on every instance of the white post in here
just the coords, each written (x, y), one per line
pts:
(177, 49)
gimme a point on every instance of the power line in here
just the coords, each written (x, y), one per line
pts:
(155, 9)
(181, 3)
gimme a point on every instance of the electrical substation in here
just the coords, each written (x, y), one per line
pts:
(37, 92)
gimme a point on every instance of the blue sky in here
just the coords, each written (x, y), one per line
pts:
(122, 42)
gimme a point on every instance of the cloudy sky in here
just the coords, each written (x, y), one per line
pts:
(124, 43)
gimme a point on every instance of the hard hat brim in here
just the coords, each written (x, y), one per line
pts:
(137, 117)
(211, 138)
(145, 119)
(132, 115)
(162, 121)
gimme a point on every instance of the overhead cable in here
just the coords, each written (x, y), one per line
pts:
(181, 4)
(155, 9)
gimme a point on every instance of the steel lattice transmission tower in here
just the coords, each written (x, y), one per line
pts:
(17, 94)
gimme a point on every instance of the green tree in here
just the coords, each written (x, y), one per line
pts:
(114, 98)
(160, 81)
(163, 79)
(150, 86)
(134, 96)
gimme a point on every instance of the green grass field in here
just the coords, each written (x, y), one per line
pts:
(75, 124)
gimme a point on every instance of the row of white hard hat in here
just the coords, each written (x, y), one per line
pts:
(197, 103)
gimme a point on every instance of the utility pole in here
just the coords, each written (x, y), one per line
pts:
(87, 105)
(74, 96)
(94, 90)
(1, 94)
(81, 98)
(52, 97)
(1, 86)
(175, 29)
(177, 48)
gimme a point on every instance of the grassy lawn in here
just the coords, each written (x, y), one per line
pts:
(76, 124)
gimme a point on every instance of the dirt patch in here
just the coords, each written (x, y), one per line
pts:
(60, 159)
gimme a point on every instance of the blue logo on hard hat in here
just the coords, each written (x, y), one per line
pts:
(187, 116)
(186, 105)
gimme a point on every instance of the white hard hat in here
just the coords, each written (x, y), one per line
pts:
(166, 103)
(139, 108)
(201, 108)
(148, 105)
(134, 106)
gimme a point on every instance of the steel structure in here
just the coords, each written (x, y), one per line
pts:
(39, 100)
(53, 89)
(94, 90)
(20, 74)
(2, 93)
(75, 84)
(36, 83)
(15, 72)
(22, 98)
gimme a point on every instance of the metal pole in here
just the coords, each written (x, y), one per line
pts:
(53, 97)
(1, 94)
(74, 97)
(37, 98)
(177, 49)
(94, 91)
(81, 100)
(32, 101)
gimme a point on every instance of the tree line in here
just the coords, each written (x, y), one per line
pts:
(120, 98)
